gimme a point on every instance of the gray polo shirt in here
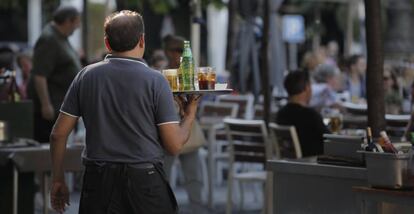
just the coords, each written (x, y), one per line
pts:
(122, 102)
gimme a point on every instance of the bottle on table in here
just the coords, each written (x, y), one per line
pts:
(370, 142)
(386, 144)
(186, 69)
(13, 92)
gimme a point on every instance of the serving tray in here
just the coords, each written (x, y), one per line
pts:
(210, 92)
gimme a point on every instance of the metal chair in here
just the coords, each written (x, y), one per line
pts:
(259, 112)
(245, 103)
(354, 122)
(250, 146)
(396, 124)
(211, 116)
(355, 109)
(211, 112)
(285, 141)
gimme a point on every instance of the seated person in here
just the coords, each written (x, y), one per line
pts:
(355, 80)
(392, 96)
(324, 88)
(308, 122)
(409, 131)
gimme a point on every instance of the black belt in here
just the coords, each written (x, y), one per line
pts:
(116, 164)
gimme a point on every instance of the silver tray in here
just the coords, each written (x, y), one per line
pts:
(211, 92)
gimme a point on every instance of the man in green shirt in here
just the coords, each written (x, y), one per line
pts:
(55, 64)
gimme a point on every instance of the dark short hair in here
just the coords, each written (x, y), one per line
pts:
(296, 82)
(352, 60)
(123, 30)
(65, 13)
(173, 43)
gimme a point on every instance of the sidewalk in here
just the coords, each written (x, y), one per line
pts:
(252, 205)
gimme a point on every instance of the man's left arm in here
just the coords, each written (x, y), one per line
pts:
(61, 130)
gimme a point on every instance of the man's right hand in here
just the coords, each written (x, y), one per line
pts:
(59, 196)
(188, 106)
(48, 112)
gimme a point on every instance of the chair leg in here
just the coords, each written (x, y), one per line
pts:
(229, 191)
(219, 173)
(268, 194)
(257, 191)
(203, 156)
(241, 194)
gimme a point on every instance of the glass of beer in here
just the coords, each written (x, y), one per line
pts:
(335, 122)
(172, 77)
(206, 78)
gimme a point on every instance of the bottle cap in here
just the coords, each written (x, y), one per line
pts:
(383, 134)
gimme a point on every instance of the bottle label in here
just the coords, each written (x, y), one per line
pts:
(187, 74)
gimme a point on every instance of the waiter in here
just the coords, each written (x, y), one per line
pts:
(130, 120)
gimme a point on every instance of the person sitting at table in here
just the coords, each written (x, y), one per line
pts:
(324, 87)
(355, 78)
(308, 122)
(410, 126)
(392, 96)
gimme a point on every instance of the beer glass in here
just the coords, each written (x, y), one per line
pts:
(171, 76)
(335, 122)
(206, 78)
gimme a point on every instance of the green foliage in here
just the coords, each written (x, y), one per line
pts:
(165, 6)
(162, 6)
(217, 3)
(6, 4)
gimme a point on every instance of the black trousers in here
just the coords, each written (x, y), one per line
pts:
(42, 128)
(114, 188)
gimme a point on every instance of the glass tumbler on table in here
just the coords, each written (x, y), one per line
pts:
(206, 78)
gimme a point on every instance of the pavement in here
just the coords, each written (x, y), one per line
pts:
(252, 203)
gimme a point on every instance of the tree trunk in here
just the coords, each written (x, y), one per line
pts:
(375, 61)
(264, 68)
(230, 34)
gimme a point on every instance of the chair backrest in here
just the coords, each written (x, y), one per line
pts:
(354, 122)
(211, 110)
(259, 112)
(355, 109)
(245, 103)
(396, 124)
(342, 145)
(248, 140)
(286, 141)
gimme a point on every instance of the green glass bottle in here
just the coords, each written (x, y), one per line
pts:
(186, 70)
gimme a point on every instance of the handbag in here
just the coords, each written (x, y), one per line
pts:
(196, 139)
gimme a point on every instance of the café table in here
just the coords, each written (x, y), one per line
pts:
(306, 186)
(37, 159)
(369, 198)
